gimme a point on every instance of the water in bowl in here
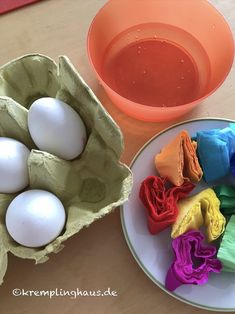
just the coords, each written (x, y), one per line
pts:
(157, 64)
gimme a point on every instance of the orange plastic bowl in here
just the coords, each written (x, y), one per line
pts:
(158, 59)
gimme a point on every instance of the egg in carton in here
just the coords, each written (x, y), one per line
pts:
(90, 186)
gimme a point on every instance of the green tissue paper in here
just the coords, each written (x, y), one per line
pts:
(226, 252)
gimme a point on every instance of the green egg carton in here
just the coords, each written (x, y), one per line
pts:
(90, 186)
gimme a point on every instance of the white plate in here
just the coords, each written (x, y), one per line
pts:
(153, 253)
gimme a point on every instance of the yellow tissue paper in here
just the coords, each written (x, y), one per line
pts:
(199, 209)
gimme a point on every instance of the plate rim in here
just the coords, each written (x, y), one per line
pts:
(129, 244)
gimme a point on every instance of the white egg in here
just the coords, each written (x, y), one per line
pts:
(56, 128)
(35, 218)
(13, 165)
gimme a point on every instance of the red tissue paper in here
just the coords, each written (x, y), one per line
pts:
(160, 199)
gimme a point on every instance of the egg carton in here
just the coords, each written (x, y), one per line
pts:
(89, 187)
